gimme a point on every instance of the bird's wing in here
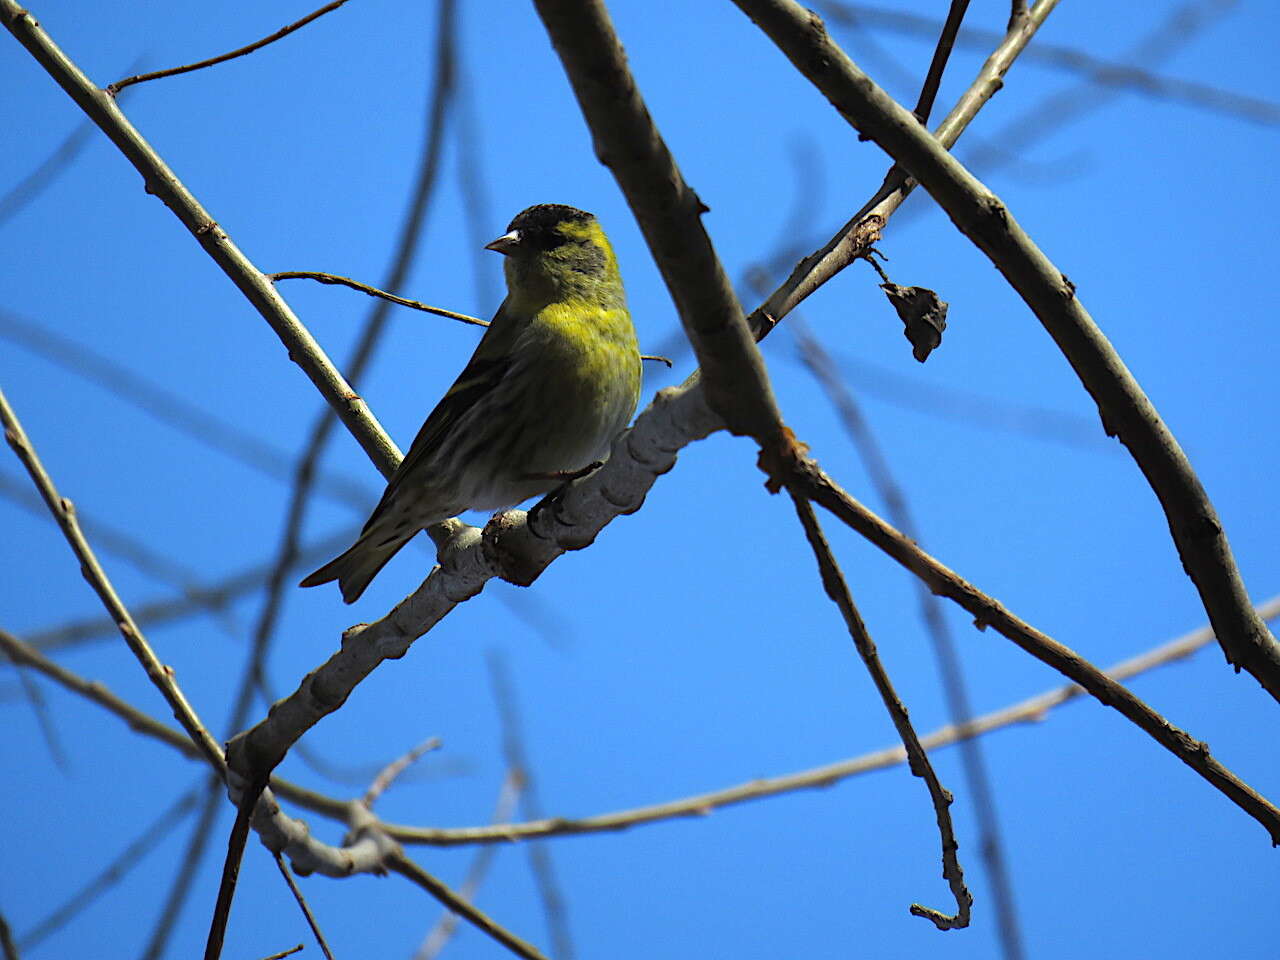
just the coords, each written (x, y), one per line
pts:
(486, 368)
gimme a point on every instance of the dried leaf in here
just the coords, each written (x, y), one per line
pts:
(923, 313)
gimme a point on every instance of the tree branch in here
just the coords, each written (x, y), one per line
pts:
(64, 513)
(837, 590)
(119, 85)
(805, 476)
(163, 183)
(668, 212)
(1126, 412)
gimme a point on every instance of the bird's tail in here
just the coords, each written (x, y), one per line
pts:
(358, 566)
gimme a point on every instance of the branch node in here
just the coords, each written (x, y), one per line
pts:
(781, 459)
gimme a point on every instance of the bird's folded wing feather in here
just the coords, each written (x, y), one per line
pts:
(486, 369)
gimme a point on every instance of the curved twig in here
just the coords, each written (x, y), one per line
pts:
(119, 85)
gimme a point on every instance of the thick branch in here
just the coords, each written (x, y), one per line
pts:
(668, 211)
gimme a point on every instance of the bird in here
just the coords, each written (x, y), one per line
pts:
(554, 380)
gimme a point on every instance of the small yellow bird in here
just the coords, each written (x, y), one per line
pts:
(554, 379)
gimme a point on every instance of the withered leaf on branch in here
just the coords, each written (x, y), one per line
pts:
(923, 313)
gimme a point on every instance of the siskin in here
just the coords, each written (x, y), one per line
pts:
(555, 378)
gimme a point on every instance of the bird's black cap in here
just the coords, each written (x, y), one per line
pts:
(547, 216)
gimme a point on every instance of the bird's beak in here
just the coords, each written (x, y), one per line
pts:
(506, 243)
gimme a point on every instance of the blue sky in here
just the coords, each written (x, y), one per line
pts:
(691, 647)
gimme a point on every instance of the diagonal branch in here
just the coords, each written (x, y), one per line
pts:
(1126, 412)
(164, 183)
(65, 514)
(668, 212)
(833, 583)
(854, 239)
(807, 478)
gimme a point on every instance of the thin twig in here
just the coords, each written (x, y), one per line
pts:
(302, 905)
(333, 278)
(941, 53)
(402, 865)
(64, 513)
(990, 843)
(285, 953)
(444, 85)
(833, 583)
(1126, 411)
(119, 85)
(853, 240)
(387, 775)
(809, 479)
(1032, 710)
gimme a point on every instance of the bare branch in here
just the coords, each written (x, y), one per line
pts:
(163, 183)
(64, 512)
(119, 85)
(334, 279)
(990, 843)
(1032, 710)
(853, 240)
(833, 583)
(941, 53)
(668, 212)
(402, 865)
(302, 905)
(807, 477)
(387, 775)
(442, 95)
(1126, 412)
